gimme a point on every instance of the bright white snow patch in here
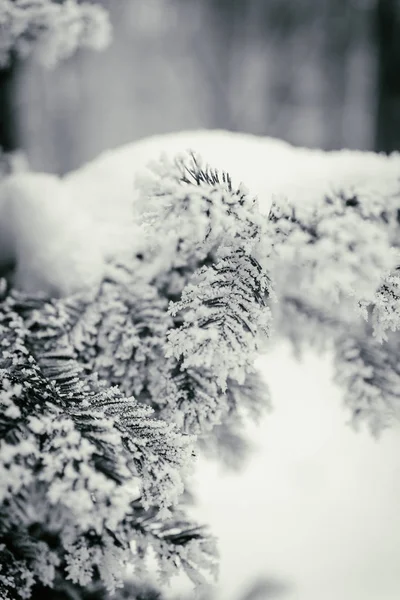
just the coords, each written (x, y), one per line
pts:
(49, 238)
(269, 168)
(318, 505)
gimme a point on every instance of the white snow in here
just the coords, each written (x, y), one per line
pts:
(318, 505)
(269, 167)
(101, 193)
(51, 241)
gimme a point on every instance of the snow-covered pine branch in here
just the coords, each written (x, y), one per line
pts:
(333, 250)
(73, 499)
(177, 322)
(128, 332)
(50, 30)
(368, 370)
(213, 278)
(335, 263)
(86, 350)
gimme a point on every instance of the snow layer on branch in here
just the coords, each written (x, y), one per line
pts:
(103, 190)
(49, 239)
(270, 168)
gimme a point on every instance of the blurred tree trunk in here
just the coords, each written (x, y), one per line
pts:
(224, 20)
(387, 20)
(8, 110)
(338, 32)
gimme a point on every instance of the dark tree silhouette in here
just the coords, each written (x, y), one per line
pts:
(387, 20)
(8, 120)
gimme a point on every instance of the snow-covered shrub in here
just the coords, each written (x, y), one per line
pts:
(51, 252)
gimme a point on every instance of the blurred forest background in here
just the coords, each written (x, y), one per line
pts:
(317, 73)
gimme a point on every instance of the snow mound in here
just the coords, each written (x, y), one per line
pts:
(93, 205)
(317, 506)
(48, 238)
(270, 168)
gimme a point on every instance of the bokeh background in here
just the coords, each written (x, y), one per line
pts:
(317, 73)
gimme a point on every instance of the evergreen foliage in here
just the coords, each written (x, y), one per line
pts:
(81, 465)
(179, 326)
(107, 395)
(92, 475)
(336, 266)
